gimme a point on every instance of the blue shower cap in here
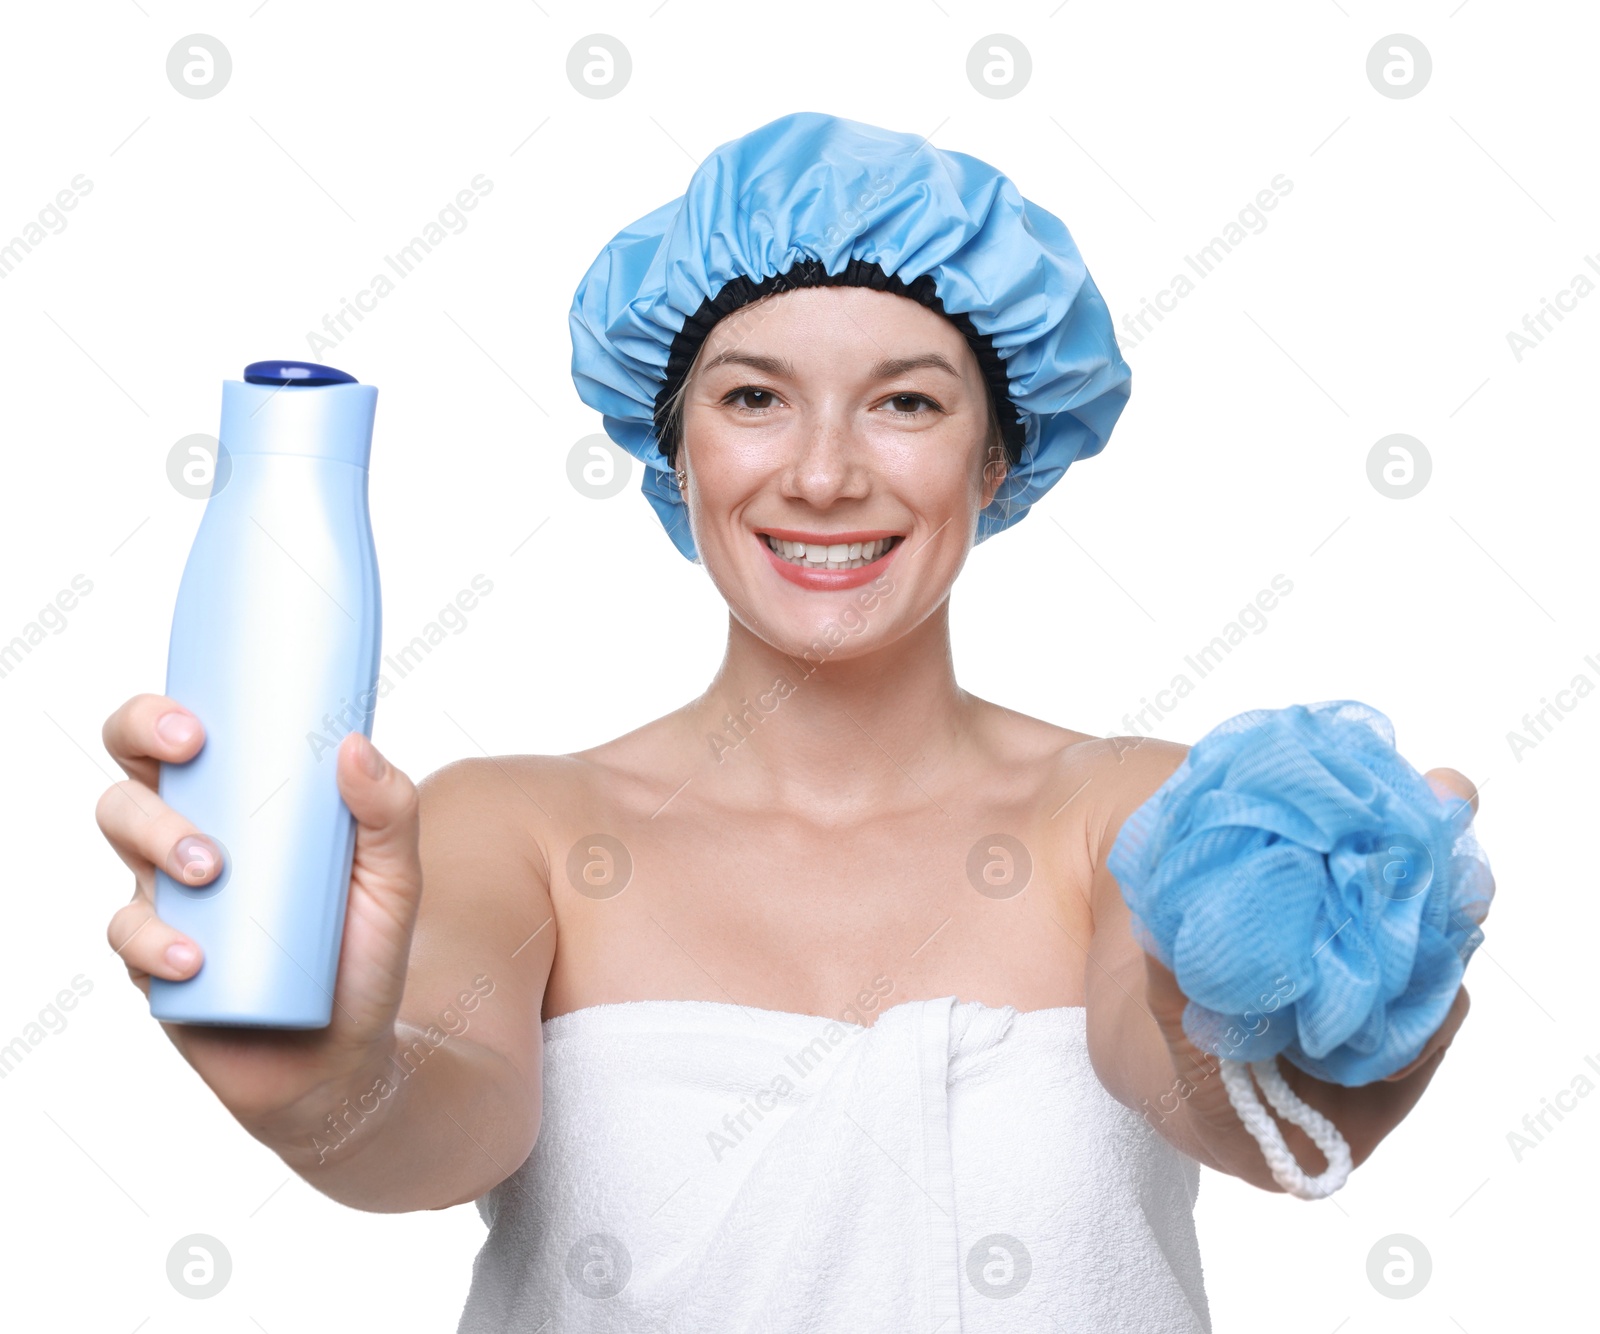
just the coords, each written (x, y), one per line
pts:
(813, 200)
(1294, 869)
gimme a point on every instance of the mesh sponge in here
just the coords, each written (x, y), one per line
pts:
(1313, 895)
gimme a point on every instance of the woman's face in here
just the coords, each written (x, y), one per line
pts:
(832, 417)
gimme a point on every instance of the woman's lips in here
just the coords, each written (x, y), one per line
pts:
(816, 574)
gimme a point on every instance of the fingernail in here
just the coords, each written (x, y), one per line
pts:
(181, 954)
(1457, 810)
(194, 857)
(175, 727)
(371, 761)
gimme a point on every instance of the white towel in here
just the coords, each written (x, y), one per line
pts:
(706, 1167)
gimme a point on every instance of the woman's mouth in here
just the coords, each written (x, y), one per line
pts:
(829, 555)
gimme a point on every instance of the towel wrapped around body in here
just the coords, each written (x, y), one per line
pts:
(953, 1167)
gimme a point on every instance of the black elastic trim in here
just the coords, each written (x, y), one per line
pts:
(740, 291)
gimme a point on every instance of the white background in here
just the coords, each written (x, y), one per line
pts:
(1418, 232)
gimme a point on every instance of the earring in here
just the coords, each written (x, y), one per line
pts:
(683, 480)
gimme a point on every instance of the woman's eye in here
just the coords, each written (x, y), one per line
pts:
(762, 399)
(752, 401)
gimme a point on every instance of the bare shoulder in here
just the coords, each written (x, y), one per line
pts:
(515, 810)
(484, 829)
(1110, 770)
(1016, 739)
(497, 804)
(1119, 774)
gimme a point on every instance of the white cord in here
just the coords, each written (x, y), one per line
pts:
(1324, 1134)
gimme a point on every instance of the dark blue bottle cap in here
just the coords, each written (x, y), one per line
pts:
(305, 373)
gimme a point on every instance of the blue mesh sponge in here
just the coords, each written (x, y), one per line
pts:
(1309, 890)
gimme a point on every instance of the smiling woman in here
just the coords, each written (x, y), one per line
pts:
(845, 357)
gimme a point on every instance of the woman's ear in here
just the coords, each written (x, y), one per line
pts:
(994, 471)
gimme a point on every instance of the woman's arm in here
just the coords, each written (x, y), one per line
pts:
(1135, 1009)
(455, 1108)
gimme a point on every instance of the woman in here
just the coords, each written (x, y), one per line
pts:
(811, 1004)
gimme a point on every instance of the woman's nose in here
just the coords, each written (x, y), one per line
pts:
(829, 464)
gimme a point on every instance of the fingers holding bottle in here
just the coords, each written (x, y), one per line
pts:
(145, 833)
(385, 891)
(149, 730)
(384, 801)
(148, 946)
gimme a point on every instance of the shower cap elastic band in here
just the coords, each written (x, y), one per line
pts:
(813, 200)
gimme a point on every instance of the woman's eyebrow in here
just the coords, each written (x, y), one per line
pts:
(890, 367)
(755, 360)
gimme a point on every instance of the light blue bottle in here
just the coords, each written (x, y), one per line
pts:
(275, 649)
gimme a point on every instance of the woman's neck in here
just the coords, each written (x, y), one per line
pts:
(828, 733)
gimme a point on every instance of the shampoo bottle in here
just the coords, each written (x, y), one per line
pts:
(275, 644)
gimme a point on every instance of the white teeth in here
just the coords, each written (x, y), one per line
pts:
(830, 556)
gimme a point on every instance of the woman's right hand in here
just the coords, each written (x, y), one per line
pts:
(280, 1084)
